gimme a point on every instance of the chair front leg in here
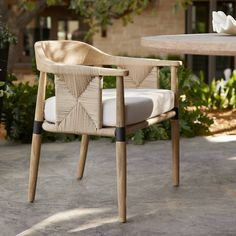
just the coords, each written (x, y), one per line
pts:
(121, 179)
(83, 155)
(37, 137)
(121, 149)
(34, 164)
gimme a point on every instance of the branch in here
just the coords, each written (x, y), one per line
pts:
(24, 17)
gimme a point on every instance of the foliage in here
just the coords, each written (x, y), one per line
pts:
(6, 37)
(182, 4)
(219, 94)
(4, 91)
(192, 121)
(18, 111)
(1, 90)
(195, 95)
(109, 82)
(97, 13)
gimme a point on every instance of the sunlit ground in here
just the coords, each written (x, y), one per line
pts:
(221, 139)
(71, 215)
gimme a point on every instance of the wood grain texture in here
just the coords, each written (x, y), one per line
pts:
(36, 139)
(175, 84)
(39, 110)
(121, 179)
(62, 57)
(34, 165)
(120, 102)
(175, 128)
(199, 44)
(83, 155)
(175, 151)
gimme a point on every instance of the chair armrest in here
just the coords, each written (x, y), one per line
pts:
(59, 68)
(132, 61)
(48, 66)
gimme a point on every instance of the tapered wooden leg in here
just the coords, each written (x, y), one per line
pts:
(34, 163)
(37, 138)
(83, 155)
(121, 179)
(175, 151)
(121, 149)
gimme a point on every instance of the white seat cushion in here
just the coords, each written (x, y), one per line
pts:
(140, 104)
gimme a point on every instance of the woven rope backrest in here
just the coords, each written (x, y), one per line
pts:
(75, 52)
(78, 96)
(141, 77)
(78, 103)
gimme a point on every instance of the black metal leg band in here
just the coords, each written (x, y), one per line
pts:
(176, 117)
(120, 134)
(37, 129)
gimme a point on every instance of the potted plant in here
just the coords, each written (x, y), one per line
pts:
(6, 38)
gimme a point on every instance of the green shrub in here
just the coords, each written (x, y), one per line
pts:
(18, 112)
(2, 91)
(192, 121)
(109, 82)
(219, 94)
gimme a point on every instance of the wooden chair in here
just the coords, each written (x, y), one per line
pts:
(81, 106)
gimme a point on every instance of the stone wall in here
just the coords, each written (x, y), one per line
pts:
(159, 18)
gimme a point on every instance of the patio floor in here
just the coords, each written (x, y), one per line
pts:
(203, 205)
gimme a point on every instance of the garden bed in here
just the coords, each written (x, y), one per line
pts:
(224, 122)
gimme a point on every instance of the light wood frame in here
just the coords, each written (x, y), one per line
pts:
(78, 76)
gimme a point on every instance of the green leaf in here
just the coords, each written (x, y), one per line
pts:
(138, 137)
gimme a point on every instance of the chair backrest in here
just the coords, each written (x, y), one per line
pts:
(78, 96)
(71, 52)
(75, 52)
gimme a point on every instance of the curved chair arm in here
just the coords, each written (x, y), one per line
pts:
(46, 65)
(59, 68)
(133, 61)
(143, 72)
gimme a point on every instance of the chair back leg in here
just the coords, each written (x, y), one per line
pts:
(83, 155)
(175, 151)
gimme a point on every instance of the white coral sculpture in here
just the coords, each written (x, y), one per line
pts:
(222, 23)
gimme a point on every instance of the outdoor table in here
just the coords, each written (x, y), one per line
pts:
(199, 44)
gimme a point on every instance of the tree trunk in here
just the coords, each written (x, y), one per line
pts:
(3, 11)
(3, 71)
(17, 20)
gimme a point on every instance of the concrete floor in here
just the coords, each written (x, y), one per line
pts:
(204, 204)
